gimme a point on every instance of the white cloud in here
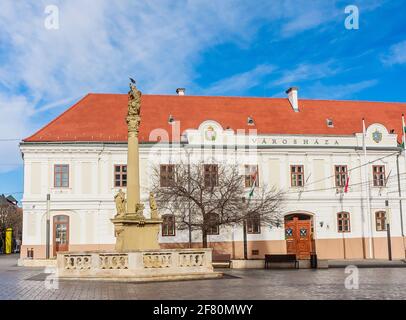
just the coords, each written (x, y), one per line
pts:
(242, 82)
(396, 55)
(332, 92)
(14, 124)
(305, 71)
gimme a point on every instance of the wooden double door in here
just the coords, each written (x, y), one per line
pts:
(298, 235)
(61, 233)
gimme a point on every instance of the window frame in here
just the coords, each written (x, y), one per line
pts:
(375, 176)
(347, 218)
(60, 174)
(384, 224)
(297, 174)
(340, 174)
(209, 174)
(248, 181)
(168, 234)
(121, 173)
(217, 227)
(251, 220)
(167, 176)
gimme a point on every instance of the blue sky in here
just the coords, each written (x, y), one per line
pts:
(239, 48)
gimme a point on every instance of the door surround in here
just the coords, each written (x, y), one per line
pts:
(57, 222)
(299, 234)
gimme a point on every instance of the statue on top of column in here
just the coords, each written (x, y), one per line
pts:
(134, 108)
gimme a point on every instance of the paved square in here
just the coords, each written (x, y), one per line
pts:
(375, 283)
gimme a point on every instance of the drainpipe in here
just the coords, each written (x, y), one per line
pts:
(48, 227)
(400, 204)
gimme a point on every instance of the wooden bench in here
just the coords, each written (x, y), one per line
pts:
(221, 260)
(280, 258)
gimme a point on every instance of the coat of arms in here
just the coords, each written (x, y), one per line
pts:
(377, 136)
(210, 134)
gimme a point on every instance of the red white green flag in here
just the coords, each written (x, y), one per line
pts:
(254, 182)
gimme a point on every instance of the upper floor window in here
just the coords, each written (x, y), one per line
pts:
(168, 225)
(120, 175)
(251, 176)
(61, 176)
(167, 175)
(379, 178)
(297, 176)
(380, 220)
(211, 178)
(213, 224)
(343, 222)
(254, 224)
(340, 175)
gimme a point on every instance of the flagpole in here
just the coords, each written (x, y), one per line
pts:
(364, 146)
(404, 155)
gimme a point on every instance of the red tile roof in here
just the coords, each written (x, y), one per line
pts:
(101, 117)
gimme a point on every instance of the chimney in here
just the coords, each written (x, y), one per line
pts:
(292, 96)
(180, 91)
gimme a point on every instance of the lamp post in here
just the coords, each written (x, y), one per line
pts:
(188, 190)
(387, 221)
(244, 230)
(48, 229)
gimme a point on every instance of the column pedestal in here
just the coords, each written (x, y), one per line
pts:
(133, 233)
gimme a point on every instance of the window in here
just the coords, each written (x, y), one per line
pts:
(343, 222)
(168, 225)
(379, 176)
(340, 175)
(380, 219)
(254, 224)
(330, 123)
(211, 175)
(213, 224)
(251, 175)
(167, 175)
(120, 175)
(61, 176)
(297, 176)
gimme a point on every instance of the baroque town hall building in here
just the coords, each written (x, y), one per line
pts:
(340, 196)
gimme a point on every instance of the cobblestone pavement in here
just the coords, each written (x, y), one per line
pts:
(386, 283)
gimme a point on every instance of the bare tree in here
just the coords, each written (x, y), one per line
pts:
(10, 217)
(216, 197)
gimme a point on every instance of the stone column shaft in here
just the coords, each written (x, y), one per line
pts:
(133, 173)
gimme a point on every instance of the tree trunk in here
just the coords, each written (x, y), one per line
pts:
(204, 238)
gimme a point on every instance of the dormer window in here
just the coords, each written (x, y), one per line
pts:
(171, 119)
(250, 121)
(330, 123)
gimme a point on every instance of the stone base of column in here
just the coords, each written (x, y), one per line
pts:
(134, 232)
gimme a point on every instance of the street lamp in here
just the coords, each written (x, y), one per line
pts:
(387, 221)
(188, 190)
(244, 227)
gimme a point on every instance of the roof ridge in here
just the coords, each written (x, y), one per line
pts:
(63, 113)
(250, 97)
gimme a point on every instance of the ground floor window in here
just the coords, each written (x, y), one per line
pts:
(380, 219)
(168, 225)
(213, 225)
(343, 222)
(254, 224)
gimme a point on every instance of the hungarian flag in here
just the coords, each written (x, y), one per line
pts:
(254, 178)
(346, 184)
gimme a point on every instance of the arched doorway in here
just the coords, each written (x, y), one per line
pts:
(61, 233)
(299, 234)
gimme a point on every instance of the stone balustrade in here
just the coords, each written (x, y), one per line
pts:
(143, 265)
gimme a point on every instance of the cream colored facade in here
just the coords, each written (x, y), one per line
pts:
(88, 201)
